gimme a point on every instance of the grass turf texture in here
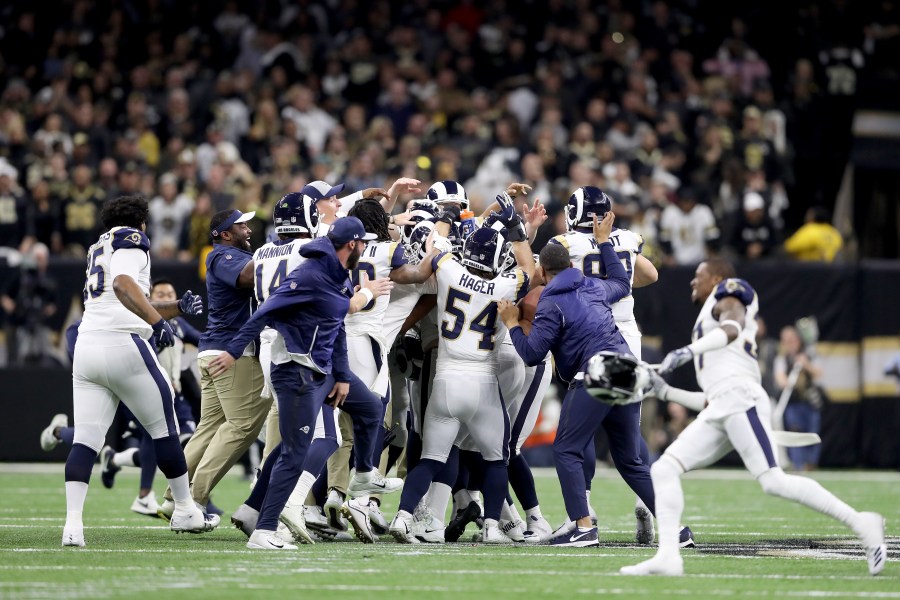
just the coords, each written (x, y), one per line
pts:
(749, 545)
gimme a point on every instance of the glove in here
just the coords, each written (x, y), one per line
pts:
(515, 231)
(164, 334)
(507, 208)
(190, 304)
(658, 386)
(450, 215)
(675, 359)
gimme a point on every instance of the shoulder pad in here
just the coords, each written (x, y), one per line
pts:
(561, 240)
(738, 288)
(127, 238)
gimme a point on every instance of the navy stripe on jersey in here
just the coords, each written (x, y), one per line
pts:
(127, 238)
(161, 382)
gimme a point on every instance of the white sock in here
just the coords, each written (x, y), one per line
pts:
(808, 492)
(476, 496)
(181, 491)
(76, 492)
(125, 458)
(587, 494)
(534, 513)
(438, 498)
(304, 484)
(516, 517)
(666, 478)
(490, 523)
(638, 503)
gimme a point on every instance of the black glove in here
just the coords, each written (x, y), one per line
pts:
(164, 334)
(450, 215)
(515, 231)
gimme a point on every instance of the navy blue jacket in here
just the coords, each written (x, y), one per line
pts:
(308, 310)
(574, 320)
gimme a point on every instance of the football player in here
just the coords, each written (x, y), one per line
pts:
(113, 361)
(736, 417)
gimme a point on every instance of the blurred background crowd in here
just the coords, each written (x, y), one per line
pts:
(715, 127)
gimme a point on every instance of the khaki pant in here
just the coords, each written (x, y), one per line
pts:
(273, 433)
(339, 462)
(232, 413)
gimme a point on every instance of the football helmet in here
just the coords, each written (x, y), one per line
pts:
(584, 203)
(414, 249)
(616, 378)
(420, 210)
(296, 213)
(446, 191)
(484, 250)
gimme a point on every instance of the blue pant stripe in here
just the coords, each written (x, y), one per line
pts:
(526, 406)
(761, 436)
(161, 382)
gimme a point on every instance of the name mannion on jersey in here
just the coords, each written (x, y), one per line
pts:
(477, 285)
(273, 251)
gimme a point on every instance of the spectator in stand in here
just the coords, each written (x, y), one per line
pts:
(42, 221)
(28, 299)
(817, 239)
(687, 230)
(754, 235)
(12, 208)
(168, 219)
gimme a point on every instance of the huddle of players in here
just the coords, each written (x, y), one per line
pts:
(462, 439)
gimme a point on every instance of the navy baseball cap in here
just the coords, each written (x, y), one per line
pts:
(319, 189)
(222, 221)
(347, 229)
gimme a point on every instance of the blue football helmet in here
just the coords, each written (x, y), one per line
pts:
(584, 203)
(447, 191)
(414, 249)
(484, 250)
(296, 213)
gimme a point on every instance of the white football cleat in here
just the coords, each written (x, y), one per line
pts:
(373, 482)
(268, 540)
(48, 440)
(192, 520)
(427, 527)
(538, 530)
(245, 518)
(491, 534)
(402, 528)
(658, 565)
(514, 530)
(376, 518)
(73, 535)
(146, 506)
(333, 511)
(644, 532)
(871, 534)
(293, 518)
(357, 513)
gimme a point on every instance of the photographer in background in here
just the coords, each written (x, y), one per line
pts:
(803, 412)
(29, 299)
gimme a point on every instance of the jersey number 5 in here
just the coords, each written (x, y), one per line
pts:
(483, 323)
(94, 290)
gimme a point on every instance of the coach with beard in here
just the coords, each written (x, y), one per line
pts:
(311, 365)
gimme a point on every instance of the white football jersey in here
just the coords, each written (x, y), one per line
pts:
(272, 263)
(738, 360)
(403, 300)
(585, 255)
(102, 309)
(377, 261)
(470, 331)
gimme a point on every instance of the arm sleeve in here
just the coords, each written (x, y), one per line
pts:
(229, 269)
(617, 283)
(545, 330)
(191, 333)
(264, 315)
(340, 364)
(127, 262)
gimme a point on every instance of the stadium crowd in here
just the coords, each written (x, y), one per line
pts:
(704, 136)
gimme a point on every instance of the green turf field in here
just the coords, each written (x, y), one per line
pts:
(749, 545)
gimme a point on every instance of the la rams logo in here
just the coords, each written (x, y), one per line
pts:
(733, 286)
(293, 285)
(134, 238)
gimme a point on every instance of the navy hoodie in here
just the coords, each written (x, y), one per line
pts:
(308, 310)
(574, 320)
